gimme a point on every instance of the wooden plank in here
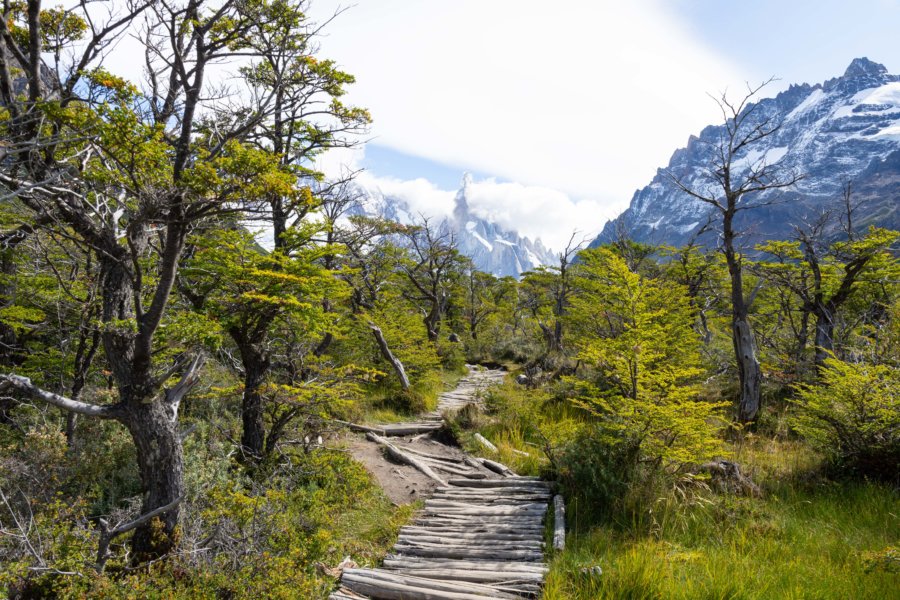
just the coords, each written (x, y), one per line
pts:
(507, 482)
(510, 566)
(468, 553)
(387, 584)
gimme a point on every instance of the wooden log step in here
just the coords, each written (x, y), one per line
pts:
(496, 491)
(345, 594)
(486, 577)
(490, 500)
(493, 528)
(434, 584)
(453, 469)
(514, 568)
(381, 589)
(444, 508)
(410, 429)
(534, 520)
(484, 542)
(506, 482)
(468, 553)
(466, 532)
(513, 508)
(496, 523)
(422, 453)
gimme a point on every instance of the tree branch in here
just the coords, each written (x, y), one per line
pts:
(24, 385)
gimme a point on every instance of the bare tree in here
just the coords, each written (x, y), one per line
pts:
(730, 189)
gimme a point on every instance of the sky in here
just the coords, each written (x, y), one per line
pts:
(561, 110)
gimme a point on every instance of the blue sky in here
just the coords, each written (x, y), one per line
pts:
(562, 110)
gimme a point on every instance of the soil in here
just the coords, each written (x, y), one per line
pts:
(403, 484)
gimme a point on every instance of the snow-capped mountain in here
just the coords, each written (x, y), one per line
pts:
(493, 249)
(846, 129)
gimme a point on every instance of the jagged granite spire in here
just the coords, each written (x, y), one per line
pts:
(492, 248)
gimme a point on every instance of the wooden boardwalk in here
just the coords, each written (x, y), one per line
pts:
(479, 536)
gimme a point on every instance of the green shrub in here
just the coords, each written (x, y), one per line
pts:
(852, 415)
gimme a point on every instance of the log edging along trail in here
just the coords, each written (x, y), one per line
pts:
(478, 536)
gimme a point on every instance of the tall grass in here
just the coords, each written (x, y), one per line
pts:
(807, 537)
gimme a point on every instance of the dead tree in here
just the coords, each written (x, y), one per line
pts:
(731, 189)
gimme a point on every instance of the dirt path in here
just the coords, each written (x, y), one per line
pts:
(480, 534)
(404, 483)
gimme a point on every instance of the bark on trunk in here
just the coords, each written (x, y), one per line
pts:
(824, 336)
(160, 460)
(253, 436)
(749, 372)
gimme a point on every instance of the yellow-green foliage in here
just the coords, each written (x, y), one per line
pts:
(636, 333)
(853, 415)
(274, 542)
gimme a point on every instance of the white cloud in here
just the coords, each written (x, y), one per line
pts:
(422, 196)
(584, 97)
(532, 211)
(538, 212)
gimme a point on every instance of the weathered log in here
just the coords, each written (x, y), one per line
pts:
(484, 442)
(479, 576)
(507, 482)
(468, 542)
(513, 567)
(391, 581)
(433, 456)
(389, 356)
(497, 467)
(559, 523)
(410, 428)
(468, 553)
(464, 535)
(361, 428)
(464, 531)
(491, 500)
(401, 456)
(453, 469)
(509, 490)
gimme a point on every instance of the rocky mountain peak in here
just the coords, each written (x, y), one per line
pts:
(863, 67)
(845, 129)
(493, 249)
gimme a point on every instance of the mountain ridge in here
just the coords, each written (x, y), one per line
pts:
(846, 129)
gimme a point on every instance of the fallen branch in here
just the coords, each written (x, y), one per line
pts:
(496, 467)
(405, 458)
(389, 356)
(484, 442)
